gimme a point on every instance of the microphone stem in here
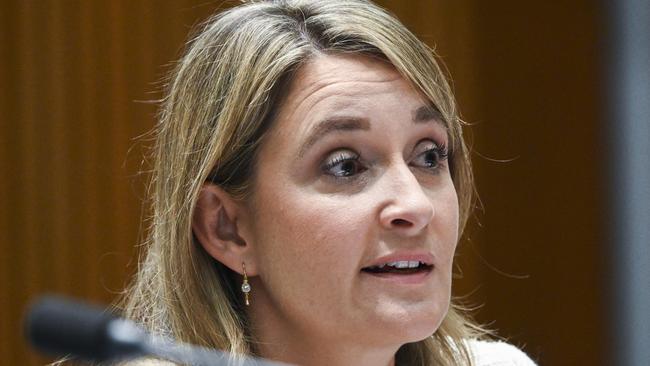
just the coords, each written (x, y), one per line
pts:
(198, 356)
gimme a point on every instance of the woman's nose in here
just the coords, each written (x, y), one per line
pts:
(407, 209)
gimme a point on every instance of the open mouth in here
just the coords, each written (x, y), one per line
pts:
(399, 267)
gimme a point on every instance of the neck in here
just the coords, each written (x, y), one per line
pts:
(321, 355)
(279, 339)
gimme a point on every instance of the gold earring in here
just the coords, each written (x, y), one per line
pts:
(245, 287)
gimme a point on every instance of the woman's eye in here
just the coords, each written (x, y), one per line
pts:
(430, 155)
(342, 164)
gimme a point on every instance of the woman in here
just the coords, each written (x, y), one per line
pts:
(310, 186)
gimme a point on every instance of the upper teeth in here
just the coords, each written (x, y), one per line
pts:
(401, 264)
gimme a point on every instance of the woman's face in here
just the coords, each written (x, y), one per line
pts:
(352, 184)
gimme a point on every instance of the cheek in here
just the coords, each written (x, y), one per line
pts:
(306, 242)
(445, 223)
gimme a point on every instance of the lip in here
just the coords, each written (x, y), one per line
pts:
(402, 279)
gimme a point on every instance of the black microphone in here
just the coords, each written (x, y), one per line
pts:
(61, 327)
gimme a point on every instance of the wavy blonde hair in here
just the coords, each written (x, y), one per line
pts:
(220, 101)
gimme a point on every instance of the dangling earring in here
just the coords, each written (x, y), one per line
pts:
(245, 287)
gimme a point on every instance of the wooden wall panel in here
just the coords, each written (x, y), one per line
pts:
(540, 106)
(73, 75)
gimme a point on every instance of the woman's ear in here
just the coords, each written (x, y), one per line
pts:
(215, 224)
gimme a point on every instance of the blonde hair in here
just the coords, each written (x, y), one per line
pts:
(221, 99)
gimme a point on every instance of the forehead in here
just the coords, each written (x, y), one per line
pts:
(346, 77)
(331, 84)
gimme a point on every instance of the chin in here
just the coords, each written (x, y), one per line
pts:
(422, 330)
(414, 324)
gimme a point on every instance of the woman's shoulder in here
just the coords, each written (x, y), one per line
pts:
(491, 353)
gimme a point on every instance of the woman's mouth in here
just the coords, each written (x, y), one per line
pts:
(399, 268)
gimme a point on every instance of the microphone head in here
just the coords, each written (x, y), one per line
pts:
(61, 327)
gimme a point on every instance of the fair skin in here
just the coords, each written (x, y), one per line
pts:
(352, 174)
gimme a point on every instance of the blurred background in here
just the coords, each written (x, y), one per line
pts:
(78, 79)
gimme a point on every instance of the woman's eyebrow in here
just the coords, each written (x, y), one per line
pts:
(427, 113)
(333, 124)
(350, 123)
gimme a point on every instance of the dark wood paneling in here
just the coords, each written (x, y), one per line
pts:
(540, 107)
(74, 75)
